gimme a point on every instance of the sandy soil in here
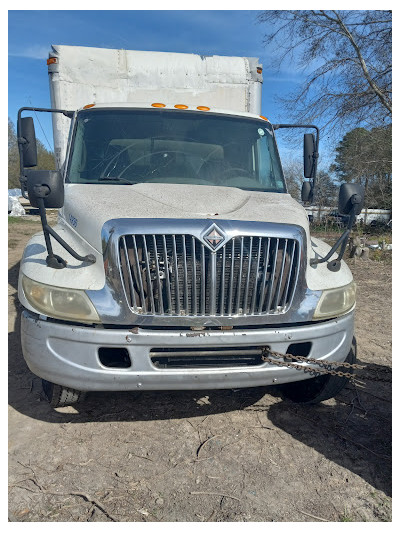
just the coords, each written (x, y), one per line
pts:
(217, 456)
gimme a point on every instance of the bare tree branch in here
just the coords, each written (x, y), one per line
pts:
(371, 82)
(345, 57)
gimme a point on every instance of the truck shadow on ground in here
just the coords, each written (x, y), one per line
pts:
(357, 439)
(353, 431)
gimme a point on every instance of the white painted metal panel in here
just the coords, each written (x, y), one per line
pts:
(84, 75)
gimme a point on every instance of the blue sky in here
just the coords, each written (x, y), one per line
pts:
(31, 33)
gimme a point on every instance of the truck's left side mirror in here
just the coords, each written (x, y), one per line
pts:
(351, 195)
(27, 139)
(46, 184)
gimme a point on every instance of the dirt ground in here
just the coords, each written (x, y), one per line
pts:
(198, 456)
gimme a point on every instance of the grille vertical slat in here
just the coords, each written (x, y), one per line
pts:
(289, 276)
(212, 284)
(239, 280)
(253, 301)
(176, 276)
(282, 268)
(203, 281)
(167, 277)
(159, 284)
(194, 277)
(222, 282)
(126, 270)
(179, 275)
(185, 278)
(139, 276)
(272, 278)
(148, 275)
(264, 279)
(232, 266)
(246, 290)
(294, 273)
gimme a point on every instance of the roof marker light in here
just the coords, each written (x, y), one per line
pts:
(259, 70)
(51, 60)
(203, 108)
(88, 106)
(181, 106)
(264, 118)
(157, 104)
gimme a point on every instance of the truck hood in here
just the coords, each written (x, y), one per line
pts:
(88, 207)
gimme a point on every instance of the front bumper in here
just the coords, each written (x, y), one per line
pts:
(68, 354)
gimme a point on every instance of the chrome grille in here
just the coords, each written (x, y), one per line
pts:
(178, 275)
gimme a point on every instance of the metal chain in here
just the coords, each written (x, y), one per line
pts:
(270, 356)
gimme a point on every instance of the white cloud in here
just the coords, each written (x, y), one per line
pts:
(32, 52)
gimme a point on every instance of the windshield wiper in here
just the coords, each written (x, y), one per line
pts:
(117, 178)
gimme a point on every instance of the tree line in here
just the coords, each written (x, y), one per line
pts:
(344, 58)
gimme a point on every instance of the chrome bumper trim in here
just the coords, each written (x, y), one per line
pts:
(68, 354)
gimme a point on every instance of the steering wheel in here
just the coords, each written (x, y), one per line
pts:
(217, 148)
(165, 152)
(234, 170)
(206, 159)
(115, 158)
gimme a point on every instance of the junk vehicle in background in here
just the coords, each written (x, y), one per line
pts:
(15, 209)
(368, 217)
(179, 260)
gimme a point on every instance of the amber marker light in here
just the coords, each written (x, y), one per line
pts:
(157, 104)
(88, 106)
(259, 70)
(264, 118)
(203, 108)
(181, 106)
(51, 60)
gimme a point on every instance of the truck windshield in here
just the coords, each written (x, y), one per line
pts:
(121, 146)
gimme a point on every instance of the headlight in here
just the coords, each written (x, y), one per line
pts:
(335, 302)
(56, 302)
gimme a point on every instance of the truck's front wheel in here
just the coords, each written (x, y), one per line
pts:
(321, 388)
(59, 396)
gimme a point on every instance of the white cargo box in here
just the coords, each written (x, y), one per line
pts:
(82, 75)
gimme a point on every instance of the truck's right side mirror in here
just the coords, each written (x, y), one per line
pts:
(306, 191)
(309, 153)
(351, 195)
(27, 139)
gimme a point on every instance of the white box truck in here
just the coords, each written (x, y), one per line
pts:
(179, 260)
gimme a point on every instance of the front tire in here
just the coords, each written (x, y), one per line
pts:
(321, 388)
(59, 396)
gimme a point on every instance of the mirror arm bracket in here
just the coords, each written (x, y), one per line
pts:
(53, 260)
(342, 240)
(335, 264)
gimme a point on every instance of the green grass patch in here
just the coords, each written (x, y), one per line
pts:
(326, 228)
(346, 518)
(22, 220)
(383, 256)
